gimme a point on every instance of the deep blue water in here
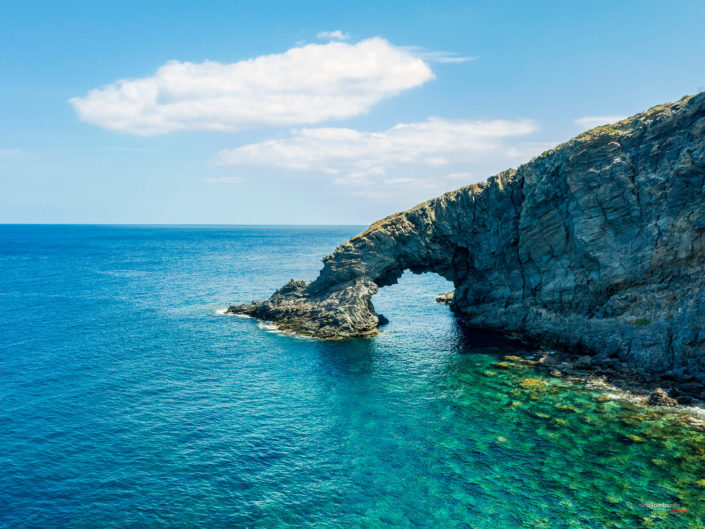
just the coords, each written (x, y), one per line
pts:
(126, 400)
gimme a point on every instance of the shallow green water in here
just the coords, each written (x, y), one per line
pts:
(127, 401)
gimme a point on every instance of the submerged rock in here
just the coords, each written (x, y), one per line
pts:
(635, 438)
(659, 397)
(532, 383)
(519, 359)
(503, 365)
(595, 246)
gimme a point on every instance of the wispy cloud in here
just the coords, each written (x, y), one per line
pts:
(302, 86)
(6, 154)
(439, 56)
(333, 35)
(406, 155)
(224, 180)
(589, 122)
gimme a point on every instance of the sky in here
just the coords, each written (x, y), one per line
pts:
(310, 112)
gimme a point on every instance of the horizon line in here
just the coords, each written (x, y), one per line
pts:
(159, 224)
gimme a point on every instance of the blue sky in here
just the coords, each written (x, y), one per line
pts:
(310, 112)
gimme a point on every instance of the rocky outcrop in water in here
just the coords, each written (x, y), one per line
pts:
(659, 397)
(596, 247)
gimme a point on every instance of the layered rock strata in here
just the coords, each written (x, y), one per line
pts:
(596, 247)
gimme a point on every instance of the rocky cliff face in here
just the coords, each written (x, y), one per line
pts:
(597, 247)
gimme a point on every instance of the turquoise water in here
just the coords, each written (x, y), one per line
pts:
(126, 400)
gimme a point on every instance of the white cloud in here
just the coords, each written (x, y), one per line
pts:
(304, 85)
(333, 35)
(454, 59)
(589, 122)
(439, 56)
(408, 154)
(224, 180)
(6, 154)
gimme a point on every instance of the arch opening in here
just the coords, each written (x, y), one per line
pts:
(411, 299)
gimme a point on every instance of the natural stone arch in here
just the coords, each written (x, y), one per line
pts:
(450, 235)
(597, 246)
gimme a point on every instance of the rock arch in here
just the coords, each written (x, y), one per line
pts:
(596, 246)
(436, 236)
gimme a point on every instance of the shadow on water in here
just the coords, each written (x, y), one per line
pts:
(471, 340)
(421, 334)
(348, 357)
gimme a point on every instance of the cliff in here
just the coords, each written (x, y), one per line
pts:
(597, 247)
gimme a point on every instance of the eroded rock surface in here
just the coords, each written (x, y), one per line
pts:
(597, 247)
(659, 397)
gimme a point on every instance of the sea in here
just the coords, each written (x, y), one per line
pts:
(129, 400)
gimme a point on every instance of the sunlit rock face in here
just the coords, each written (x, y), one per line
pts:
(597, 246)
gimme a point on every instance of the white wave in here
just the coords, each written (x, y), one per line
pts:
(224, 312)
(269, 327)
(696, 411)
(265, 326)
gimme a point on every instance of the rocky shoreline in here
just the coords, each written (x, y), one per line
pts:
(620, 383)
(596, 247)
(617, 380)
